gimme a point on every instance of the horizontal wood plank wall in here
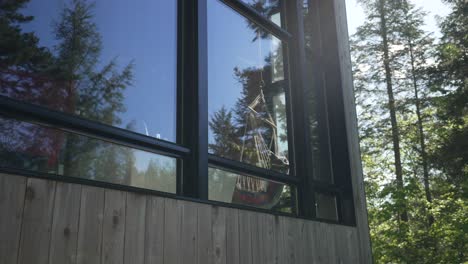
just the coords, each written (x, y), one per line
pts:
(43, 221)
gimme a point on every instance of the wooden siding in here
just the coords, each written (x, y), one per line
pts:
(43, 221)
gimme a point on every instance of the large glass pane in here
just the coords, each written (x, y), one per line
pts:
(47, 150)
(246, 92)
(112, 61)
(269, 8)
(326, 207)
(347, 209)
(319, 138)
(229, 187)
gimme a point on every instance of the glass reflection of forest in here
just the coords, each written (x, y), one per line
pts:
(250, 125)
(69, 78)
(88, 59)
(254, 129)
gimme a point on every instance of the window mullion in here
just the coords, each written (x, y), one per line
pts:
(296, 56)
(193, 98)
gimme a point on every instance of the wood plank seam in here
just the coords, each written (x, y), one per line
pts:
(22, 218)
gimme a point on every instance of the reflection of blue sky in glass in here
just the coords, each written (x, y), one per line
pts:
(231, 45)
(140, 31)
(239, 61)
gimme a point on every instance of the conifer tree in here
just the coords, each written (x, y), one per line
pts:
(376, 60)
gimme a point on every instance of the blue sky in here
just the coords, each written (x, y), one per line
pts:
(356, 17)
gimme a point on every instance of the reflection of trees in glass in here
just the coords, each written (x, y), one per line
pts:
(33, 147)
(22, 61)
(226, 140)
(267, 8)
(24, 67)
(68, 78)
(90, 92)
(159, 175)
(258, 114)
(254, 131)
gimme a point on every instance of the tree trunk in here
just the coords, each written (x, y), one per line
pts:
(392, 109)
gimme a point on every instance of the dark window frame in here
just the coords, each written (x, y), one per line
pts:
(191, 147)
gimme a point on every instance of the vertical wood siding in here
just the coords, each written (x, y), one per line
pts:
(43, 221)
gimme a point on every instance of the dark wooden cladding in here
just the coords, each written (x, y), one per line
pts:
(357, 178)
(44, 221)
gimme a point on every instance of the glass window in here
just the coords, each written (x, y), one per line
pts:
(319, 137)
(246, 92)
(325, 206)
(235, 188)
(41, 149)
(269, 8)
(347, 209)
(108, 61)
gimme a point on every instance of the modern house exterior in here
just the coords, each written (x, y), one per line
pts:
(182, 131)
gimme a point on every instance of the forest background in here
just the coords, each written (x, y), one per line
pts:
(411, 85)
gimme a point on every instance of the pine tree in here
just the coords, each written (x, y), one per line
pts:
(450, 79)
(24, 75)
(430, 107)
(450, 152)
(92, 93)
(376, 61)
(226, 143)
(418, 47)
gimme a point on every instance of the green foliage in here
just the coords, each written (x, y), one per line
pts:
(429, 80)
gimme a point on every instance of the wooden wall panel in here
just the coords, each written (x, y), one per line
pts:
(188, 231)
(171, 248)
(113, 227)
(135, 216)
(54, 222)
(218, 234)
(37, 222)
(205, 239)
(245, 233)
(91, 225)
(65, 224)
(12, 190)
(232, 237)
(154, 235)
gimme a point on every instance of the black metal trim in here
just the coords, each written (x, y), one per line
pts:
(250, 170)
(181, 38)
(72, 123)
(328, 63)
(193, 83)
(296, 56)
(250, 13)
(106, 185)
